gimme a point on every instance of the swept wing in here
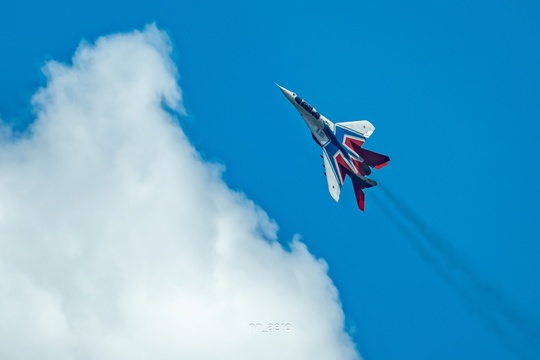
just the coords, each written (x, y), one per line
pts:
(334, 184)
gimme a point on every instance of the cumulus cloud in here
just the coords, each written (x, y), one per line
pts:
(117, 241)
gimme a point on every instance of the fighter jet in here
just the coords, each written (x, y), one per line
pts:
(342, 149)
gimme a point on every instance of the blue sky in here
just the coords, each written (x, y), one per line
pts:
(453, 90)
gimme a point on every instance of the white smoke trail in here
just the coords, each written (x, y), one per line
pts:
(502, 316)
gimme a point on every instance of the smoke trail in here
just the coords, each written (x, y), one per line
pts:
(503, 318)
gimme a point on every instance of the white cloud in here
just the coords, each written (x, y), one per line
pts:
(117, 241)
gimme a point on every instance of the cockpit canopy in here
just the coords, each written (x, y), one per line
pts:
(310, 109)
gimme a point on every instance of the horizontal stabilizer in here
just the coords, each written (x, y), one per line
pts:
(373, 159)
(360, 196)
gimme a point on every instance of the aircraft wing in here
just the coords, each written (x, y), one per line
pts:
(362, 128)
(353, 134)
(334, 185)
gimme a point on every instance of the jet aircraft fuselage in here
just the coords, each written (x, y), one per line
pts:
(342, 149)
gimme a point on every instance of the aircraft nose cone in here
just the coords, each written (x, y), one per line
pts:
(283, 90)
(287, 93)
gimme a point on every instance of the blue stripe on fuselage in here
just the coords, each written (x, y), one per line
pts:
(332, 148)
(334, 140)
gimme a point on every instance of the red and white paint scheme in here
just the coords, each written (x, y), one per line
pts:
(342, 149)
